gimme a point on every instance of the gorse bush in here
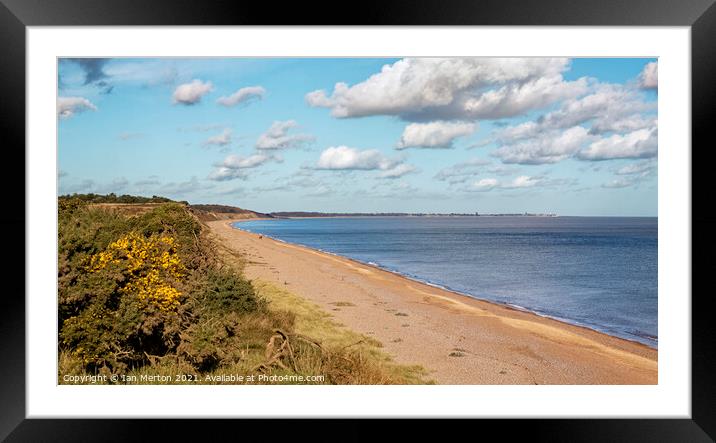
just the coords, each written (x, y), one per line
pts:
(133, 288)
(150, 264)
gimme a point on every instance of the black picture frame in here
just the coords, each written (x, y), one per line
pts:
(16, 15)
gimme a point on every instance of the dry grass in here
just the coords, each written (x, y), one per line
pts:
(351, 357)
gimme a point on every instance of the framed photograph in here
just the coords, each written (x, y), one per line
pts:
(460, 211)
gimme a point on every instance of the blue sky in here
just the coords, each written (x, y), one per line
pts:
(569, 136)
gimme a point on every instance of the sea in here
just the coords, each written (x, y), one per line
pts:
(597, 272)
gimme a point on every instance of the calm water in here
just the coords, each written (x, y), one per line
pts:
(599, 272)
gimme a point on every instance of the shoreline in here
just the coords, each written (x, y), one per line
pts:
(447, 288)
(460, 316)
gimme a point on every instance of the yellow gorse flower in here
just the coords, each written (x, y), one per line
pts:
(151, 262)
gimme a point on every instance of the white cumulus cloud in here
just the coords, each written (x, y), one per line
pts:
(649, 77)
(485, 184)
(397, 171)
(453, 88)
(523, 181)
(222, 139)
(69, 106)
(234, 166)
(545, 148)
(517, 98)
(438, 134)
(277, 137)
(520, 182)
(191, 93)
(636, 144)
(236, 162)
(224, 174)
(343, 157)
(243, 95)
(619, 183)
(609, 108)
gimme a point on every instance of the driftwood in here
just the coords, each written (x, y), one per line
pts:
(280, 349)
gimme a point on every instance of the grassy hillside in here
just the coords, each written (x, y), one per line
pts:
(150, 297)
(223, 212)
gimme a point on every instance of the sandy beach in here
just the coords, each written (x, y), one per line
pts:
(458, 339)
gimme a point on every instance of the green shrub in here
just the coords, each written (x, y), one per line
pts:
(114, 271)
(223, 291)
